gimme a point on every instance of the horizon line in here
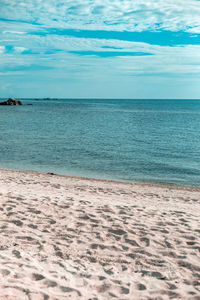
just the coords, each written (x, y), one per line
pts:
(85, 98)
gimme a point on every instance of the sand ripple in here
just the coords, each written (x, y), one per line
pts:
(70, 238)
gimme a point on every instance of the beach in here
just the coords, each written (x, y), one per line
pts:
(68, 237)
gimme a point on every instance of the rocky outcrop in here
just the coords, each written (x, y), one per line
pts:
(11, 101)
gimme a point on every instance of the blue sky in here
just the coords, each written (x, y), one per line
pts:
(100, 49)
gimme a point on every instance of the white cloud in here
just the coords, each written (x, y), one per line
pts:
(108, 14)
(164, 58)
(19, 49)
(13, 32)
(2, 49)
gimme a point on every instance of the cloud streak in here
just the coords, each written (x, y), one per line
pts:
(110, 53)
(119, 15)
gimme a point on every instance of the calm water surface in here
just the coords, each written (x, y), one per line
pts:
(132, 140)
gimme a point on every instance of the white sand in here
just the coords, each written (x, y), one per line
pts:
(71, 238)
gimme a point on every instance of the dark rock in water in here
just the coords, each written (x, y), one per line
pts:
(11, 101)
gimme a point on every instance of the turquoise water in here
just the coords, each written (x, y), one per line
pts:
(132, 140)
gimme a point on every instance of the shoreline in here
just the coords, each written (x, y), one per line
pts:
(159, 185)
(65, 237)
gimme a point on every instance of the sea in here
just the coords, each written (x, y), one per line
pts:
(146, 141)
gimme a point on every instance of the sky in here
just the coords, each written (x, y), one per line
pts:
(132, 49)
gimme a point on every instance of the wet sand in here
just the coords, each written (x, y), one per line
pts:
(72, 238)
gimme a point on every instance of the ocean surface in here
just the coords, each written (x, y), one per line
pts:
(151, 141)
